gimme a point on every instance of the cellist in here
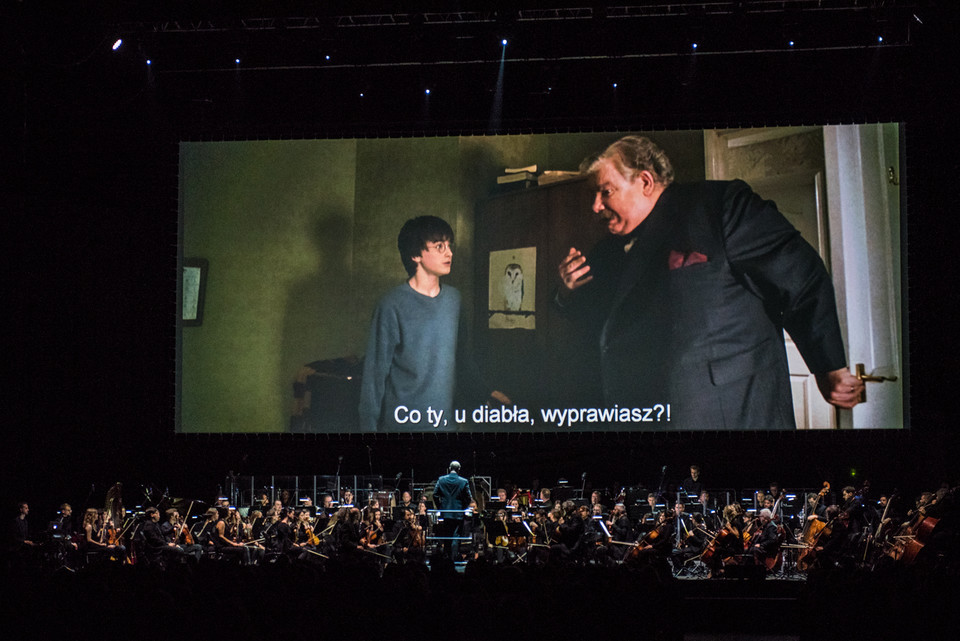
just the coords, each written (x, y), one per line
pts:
(766, 544)
(175, 532)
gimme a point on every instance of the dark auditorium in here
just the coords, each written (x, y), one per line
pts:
(480, 320)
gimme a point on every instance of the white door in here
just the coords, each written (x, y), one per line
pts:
(831, 184)
(863, 196)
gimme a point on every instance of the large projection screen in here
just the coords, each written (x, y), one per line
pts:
(292, 243)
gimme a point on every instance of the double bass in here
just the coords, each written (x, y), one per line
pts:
(811, 533)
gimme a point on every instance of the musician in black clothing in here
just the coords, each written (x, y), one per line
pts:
(766, 544)
(814, 510)
(283, 536)
(711, 518)
(21, 527)
(569, 533)
(205, 531)
(650, 516)
(226, 540)
(172, 531)
(347, 533)
(693, 484)
(157, 548)
(621, 531)
(408, 538)
(852, 512)
(692, 544)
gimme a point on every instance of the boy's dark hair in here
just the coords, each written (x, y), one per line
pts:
(416, 233)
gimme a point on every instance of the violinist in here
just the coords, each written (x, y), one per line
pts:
(592, 534)
(682, 523)
(373, 530)
(727, 544)
(157, 549)
(595, 500)
(226, 538)
(711, 519)
(347, 532)
(302, 531)
(262, 503)
(205, 531)
(257, 524)
(649, 519)
(408, 539)
(283, 538)
(95, 537)
(621, 531)
(692, 544)
(569, 534)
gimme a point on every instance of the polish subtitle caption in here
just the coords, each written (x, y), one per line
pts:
(560, 417)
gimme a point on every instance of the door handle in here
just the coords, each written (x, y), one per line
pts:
(870, 378)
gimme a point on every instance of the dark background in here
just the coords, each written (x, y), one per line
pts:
(89, 210)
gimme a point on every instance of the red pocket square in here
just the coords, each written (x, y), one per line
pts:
(676, 260)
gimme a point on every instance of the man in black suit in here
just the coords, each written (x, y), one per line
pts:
(452, 497)
(689, 295)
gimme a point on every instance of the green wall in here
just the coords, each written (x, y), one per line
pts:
(301, 236)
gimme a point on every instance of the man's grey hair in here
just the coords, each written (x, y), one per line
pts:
(454, 467)
(631, 155)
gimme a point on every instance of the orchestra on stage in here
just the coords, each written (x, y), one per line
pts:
(686, 530)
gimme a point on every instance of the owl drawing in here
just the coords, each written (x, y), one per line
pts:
(512, 287)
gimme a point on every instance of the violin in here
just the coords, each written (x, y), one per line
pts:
(417, 537)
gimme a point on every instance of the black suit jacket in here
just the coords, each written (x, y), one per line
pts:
(692, 316)
(452, 493)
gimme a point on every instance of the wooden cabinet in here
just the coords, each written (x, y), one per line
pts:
(552, 365)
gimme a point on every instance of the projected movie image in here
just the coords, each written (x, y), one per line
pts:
(729, 279)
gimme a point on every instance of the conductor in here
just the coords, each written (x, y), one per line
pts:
(452, 497)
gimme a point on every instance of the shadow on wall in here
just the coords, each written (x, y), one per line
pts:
(320, 322)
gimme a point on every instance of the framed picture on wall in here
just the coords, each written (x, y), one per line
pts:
(512, 288)
(193, 286)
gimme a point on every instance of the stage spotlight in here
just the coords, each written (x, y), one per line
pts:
(117, 43)
(504, 42)
(149, 62)
(236, 60)
(326, 57)
(361, 94)
(427, 92)
(790, 44)
(614, 85)
(879, 39)
(693, 46)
